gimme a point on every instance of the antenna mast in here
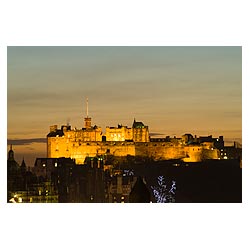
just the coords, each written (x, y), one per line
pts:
(87, 119)
(87, 102)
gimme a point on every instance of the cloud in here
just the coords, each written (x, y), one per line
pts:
(26, 141)
(233, 114)
(155, 134)
(30, 148)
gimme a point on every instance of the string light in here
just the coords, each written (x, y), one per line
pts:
(161, 192)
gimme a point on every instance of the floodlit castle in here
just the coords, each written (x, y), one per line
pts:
(90, 141)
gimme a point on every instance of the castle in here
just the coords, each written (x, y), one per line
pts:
(90, 141)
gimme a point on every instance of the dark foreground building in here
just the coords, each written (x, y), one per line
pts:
(124, 180)
(201, 182)
(139, 193)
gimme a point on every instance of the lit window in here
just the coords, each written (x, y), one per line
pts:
(44, 165)
(55, 164)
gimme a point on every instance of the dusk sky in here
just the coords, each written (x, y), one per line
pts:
(173, 90)
(196, 87)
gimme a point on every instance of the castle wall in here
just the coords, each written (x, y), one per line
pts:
(60, 147)
(91, 134)
(199, 153)
(118, 134)
(123, 133)
(141, 134)
(193, 153)
(123, 141)
(78, 150)
(160, 150)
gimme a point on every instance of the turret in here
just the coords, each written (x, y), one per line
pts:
(11, 154)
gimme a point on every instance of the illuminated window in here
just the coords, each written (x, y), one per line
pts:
(55, 164)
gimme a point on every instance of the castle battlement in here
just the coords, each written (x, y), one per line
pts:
(123, 141)
(90, 141)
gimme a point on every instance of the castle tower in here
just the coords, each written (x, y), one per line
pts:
(87, 120)
(140, 132)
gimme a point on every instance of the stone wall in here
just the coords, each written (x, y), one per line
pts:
(61, 147)
(123, 141)
(78, 150)
(123, 133)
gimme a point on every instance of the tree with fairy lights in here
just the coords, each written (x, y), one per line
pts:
(162, 193)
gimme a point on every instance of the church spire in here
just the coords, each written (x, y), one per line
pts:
(23, 166)
(11, 153)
